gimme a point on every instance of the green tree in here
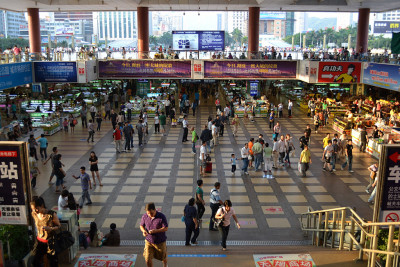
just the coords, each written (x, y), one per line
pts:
(10, 42)
(237, 36)
(153, 40)
(245, 40)
(228, 39)
(166, 39)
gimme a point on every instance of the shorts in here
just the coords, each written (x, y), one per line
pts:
(156, 251)
(163, 126)
(203, 163)
(59, 180)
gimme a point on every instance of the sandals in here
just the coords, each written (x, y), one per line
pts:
(101, 184)
(58, 191)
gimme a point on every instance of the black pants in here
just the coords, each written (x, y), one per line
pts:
(167, 111)
(281, 156)
(98, 126)
(363, 146)
(271, 124)
(200, 209)
(185, 134)
(84, 122)
(91, 135)
(116, 104)
(33, 181)
(38, 252)
(233, 168)
(33, 150)
(221, 130)
(114, 123)
(93, 114)
(157, 128)
(140, 137)
(129, 114)
(189, 230)
(108, 113)
(224, 230)
(43, 152)
(214, 209)
(290, 113)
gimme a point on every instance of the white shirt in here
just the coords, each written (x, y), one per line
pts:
(214, 129)
(281, 146)
(276, 146)
(156, 120)
(62, 202)
(244, 152)
(277, 129)
(167, 103)
(227, 216)
(129, 105)
(93, 109)
(185, 123)
(202, 152)
(210, 125)
(290, 105)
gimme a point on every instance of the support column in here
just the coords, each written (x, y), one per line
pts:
(253, 31)
(362, 30)
(34, 32)
(143, 31)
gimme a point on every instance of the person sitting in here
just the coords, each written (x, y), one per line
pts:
(95, 236)
(112, 238)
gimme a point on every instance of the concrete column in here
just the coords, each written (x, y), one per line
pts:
(143, 31)
(362, 30)
(34, 32)
(253, 30)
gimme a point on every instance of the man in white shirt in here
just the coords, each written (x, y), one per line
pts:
(281, 149)
(290, 107)
(93, 111)
(214, 131)
(203, 158)
(245, 157)
(63, 200)
(275, 154)
(167, 107)
(129, 110)
(185, 125)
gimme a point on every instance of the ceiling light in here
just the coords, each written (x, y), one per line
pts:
(198, 14)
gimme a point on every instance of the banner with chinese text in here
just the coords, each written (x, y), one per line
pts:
(250, 69)
(389, 184)
(117, 260)
(339, 72)
(14, 179)
(382, 75)
(15, 74)
(283, 260)
(145, 69)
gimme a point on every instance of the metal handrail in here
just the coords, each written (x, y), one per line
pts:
(321, 223)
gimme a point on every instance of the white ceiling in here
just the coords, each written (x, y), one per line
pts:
(204, 5)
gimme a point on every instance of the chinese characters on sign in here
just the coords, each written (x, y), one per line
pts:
(382, 75)
(145, 68)
(250, 69)
(12, 197)
(284, 260)
(55, 72)
(15, 74)
(106, 260)
(339, 72)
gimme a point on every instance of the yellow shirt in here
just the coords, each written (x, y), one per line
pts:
(325, 141)
(345, 78)
(305, 156)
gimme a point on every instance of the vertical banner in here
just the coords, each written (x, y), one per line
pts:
(198, 69)
(14, 183)
(387, 200)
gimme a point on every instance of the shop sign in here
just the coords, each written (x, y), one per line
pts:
(250, 69)
(382, 27)
(339, 72)
(284, 260)
(145, 68)
(125, 260)
(382, 75)
(15, 74)
(389, 184)
(55, 72)
(14, 179)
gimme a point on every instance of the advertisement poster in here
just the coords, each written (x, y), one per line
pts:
(390, 184)
(12, 195)
(55, 72)
(250, 69)
(198, 40)
(284, 260)
(382, 75)
(116, 260)
(64, 31)
(339, 72)
(383, 27)
(145, 68)
(15, 74)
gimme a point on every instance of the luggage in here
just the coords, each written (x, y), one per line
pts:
(208, 167)
(173, 123)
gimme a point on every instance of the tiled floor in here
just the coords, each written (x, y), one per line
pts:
(165, 172)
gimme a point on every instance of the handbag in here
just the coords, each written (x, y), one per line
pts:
(218, 222)
(63, 240)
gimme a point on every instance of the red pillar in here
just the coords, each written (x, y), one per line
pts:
(34, 31)
(253, 30)
(143, 31)
(362, 30)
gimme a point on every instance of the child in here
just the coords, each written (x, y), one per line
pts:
(233, 161)
(65, 124)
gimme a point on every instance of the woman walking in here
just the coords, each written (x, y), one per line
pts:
(71, 121)
(46, 222)
(235, 122)
(225, 213)
(191, 223)
(93, 160)
(59, 172)
(305, 160)
(98, 120)
(289, 148)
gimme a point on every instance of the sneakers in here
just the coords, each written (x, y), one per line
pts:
(334, 170)
(194, 153)
(194, 243)
(246, 173)
(351, 171)
(342, 168)
(367, 191)
(89, 203)
(324, 169)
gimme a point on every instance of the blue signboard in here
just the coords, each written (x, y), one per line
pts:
(198, 40)
(55, 72)
(382, 75)
(15, 74)
(272, 15)
(253, 88)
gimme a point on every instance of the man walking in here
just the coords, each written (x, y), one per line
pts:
(153, 225)
(290, 108)
(85, 184)
(194, 140)
(83, 116)
(128, 132)
(163, 122)
(258, 155)
(117, 135)
(140, 130)
(91, 131)
(349, 155)
(185, 125)
(245, 158)
(215, 202)
(93, 111)
(129, 110)
(206, 136)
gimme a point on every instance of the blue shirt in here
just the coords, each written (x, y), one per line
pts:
(190, 214)
(159, 221)
(233, 160)
(84, 181)
(43, 142)
(196, 96)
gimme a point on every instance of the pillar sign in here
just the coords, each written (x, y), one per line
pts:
(304, 41)
(324, 44)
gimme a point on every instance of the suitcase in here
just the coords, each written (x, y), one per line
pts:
(208, 167)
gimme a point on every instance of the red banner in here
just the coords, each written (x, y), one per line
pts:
(339, 72)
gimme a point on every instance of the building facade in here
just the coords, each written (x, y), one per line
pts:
(10, 23)
(115, 25)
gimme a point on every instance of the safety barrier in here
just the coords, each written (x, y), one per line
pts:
(344, 228)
